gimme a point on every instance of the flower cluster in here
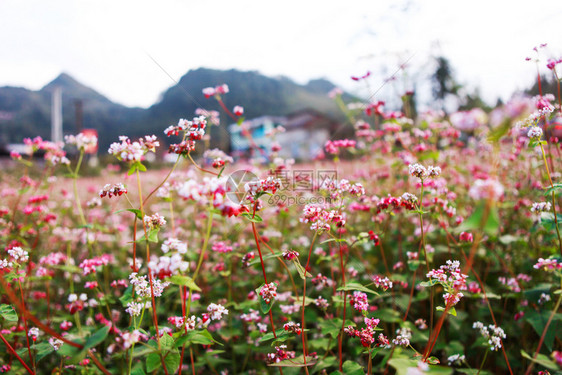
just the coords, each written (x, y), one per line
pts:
(133, 151)
(452, 280)
(256, 188)
(173, 244)
(293, 327)
(280, 354)
(382, 282)
(87, 142)
(548, 264)
(403, 336)
(217, 90)
(421, 172)
(493, 333)
(111, 190)
(269, 292)
(359, 301)
(541, 207)
(89, 265)
(333, 147)
(153, 222)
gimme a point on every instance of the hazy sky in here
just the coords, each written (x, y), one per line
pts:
(107, 44)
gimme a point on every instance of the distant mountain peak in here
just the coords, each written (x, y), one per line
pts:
(73, 88)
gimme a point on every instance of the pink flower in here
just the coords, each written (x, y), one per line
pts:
(238, 110)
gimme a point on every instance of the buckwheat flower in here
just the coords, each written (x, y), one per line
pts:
(18, 254)
(403, 337)
(322, 303)
(550, 264)
(55, 343)
(130, 338)
(466, 237)
(269, 292)
(238, 110)
(155, 221)
(433, 171)
(82, 141)
(290, 254)
(541, 207)
(293, 327)
(382, 282)
(455, 359)
(418, 170)
(216, 311)
(408, 197)
(134, 308)
(544, 298)
(421, 323)
(493, 333)
(33, 333)
(111, 190)
(534, 132)
(173, 244)
(208, 92)
(359, 301)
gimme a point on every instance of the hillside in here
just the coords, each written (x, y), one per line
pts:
(26, 113)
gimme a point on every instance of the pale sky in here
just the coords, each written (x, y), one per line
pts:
(106, 44)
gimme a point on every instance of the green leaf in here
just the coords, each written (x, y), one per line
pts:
(352, 368)
(269, 256)
(172, 362)
(356, 286)
(184, 281)
(136, 166)
(127, 296)
(133, 210)
(166, 342)
(542, 360)
(153, 235)
(331, 327)
(97, 338)
(253, 218)
(538, 322)
(43, 349)
(555, 188)
(451, 311)
(301, 270)
(196, 337)
(295, 362)
(476, 220)
(8, 313)
(153, 362)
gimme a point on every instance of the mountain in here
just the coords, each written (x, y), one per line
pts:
(27, 113)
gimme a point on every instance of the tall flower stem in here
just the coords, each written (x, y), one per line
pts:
(303, 323)
(553, 195)
(431, 292)
(254, 230)
(150, 279)
(11, 350)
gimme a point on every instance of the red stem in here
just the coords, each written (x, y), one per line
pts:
(16, 354)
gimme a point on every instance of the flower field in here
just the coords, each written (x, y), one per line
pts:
(427, 245)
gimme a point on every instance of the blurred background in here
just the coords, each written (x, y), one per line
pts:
(134, 67)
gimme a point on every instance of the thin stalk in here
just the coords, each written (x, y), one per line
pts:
(483, 361)
(553, 200)
(16, 354)
(303, 323)
(545, 330)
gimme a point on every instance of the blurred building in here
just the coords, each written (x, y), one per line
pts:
(305, 134)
